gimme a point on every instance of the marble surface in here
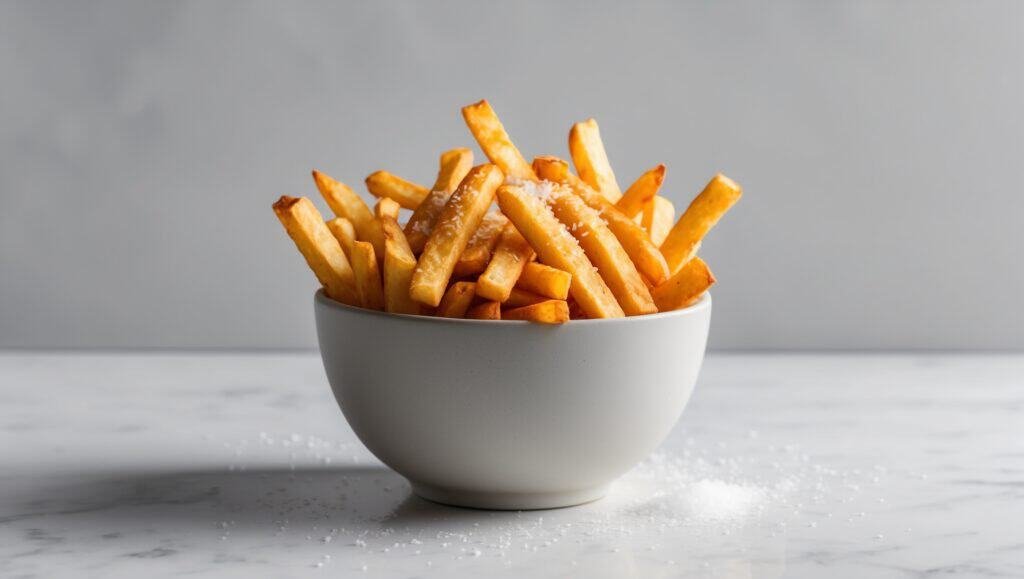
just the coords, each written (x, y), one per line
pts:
(241, 465)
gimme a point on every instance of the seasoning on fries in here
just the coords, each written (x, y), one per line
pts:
(562, 246)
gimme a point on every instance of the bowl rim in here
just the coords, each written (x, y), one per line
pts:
(320, 298)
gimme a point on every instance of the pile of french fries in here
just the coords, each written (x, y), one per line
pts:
(560, 246)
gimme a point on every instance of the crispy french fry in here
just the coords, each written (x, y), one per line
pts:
(640, 192)
(485, 311)
(475, 257)
(685, 286)
(383, 184)
(399, 262)
(460, 218)
(557, 248)
(545, 280)
(322, 251)
(456, 300)
(644, 254)
(545, 312)
(344, 232)
(507, 262)
(518, 298)
(454, 166)
(591, 160)
(658, 216)
(704, 211)
(344, 202)
(604, 250)
(488, 131)
(387, 207)
(368, 283)
(471, 263)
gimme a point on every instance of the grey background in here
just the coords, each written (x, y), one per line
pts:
(879, 144)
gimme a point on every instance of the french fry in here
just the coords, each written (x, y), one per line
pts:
(591, 160)
(323, 253)
(383, 184)
(477, 255)
(488, 131)
(368, 283)
(704, 211)
(387, 207)
(344, 232)
(471, 263)
(518, 298)
(454, 166)
(683, 288)
(485, 311)
(640, 192)
(460, 218)
(545, 312)
(507, 262)
(399, 262)
(604, 251)
(631, 235)
(557, 248)
(456, 300)
(545, 280)
(658, 216)
(344, 202)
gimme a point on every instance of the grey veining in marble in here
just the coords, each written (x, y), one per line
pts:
(242, 466)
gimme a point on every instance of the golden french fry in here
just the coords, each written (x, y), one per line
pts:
(545, 312)
(458, 221)
(485, 311)
(322, 251)
(639, 193)
(407, 194)
(591, 160)
(473, 262)
(545, 280)
(557, 248)
(518, 298)
(488, 131)
(685, 286)
(507, 262)
(477, 255)
(387, 207)
(399, 262)
(344, 202)
(604, 250)
(368, 283)
(644, 254)
(704, 211)
(456, 300)
(343, 230)
(454, 166)
(657, 219)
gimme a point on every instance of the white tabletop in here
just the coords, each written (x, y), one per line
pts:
(241, 465)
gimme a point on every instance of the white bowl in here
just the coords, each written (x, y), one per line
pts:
(511, 415)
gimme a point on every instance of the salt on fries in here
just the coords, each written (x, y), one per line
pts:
(454, 166)
(456, 224)
(562, 246)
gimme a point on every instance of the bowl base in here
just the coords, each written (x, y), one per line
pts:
(501, 501)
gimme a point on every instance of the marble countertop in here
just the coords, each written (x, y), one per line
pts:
(241, 465)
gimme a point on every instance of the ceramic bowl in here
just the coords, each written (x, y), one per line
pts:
(507, 414)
